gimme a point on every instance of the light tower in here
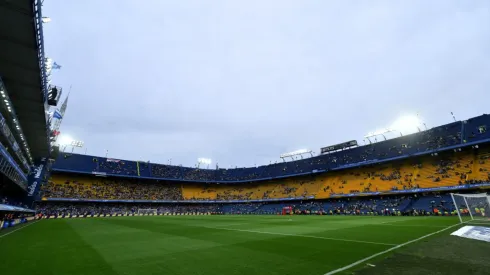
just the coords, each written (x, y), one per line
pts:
(66, 141)
(203, 161)
(76, 143)
(296, 153)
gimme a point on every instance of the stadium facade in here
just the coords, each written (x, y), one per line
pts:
(26, 99)
(445, 158)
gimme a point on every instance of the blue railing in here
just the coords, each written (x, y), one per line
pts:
(8, 158)
(7, 133)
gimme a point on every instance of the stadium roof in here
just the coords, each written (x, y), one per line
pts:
(20, 70)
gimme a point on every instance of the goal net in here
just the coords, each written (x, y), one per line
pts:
(472, 207)
(147, 211)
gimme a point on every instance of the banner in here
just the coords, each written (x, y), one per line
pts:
(479, 233)
(35, 179)
(103, 174)
(113, 160)
(340, 146)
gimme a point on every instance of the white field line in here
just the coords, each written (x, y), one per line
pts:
(476, 222)
(303, 236)
(232, 224)
(1, 236)
(412, 225)
(388, 222)
(357, 225)
(388, 250)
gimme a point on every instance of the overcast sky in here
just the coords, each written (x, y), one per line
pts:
(241, 82)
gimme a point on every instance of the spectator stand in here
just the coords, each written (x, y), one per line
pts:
(432, 141)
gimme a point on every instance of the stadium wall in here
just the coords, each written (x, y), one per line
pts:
(448, 171)
(439, 139)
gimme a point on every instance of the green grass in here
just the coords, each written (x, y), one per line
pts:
(214, 244)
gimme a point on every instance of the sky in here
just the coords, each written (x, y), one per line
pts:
(241, 82)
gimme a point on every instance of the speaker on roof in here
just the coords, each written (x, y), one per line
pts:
(54, 94)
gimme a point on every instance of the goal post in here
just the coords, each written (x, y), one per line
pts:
(146, 212)
(472, 207)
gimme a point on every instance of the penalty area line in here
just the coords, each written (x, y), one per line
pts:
(413, 225)
(302, 236)
(388, 250)
(1, 236)
(233, 224)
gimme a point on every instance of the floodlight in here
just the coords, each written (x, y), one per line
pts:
(204, 160)
(407, 124)
(65, 140)
(378, 132)
(295, 153)
(76, 143)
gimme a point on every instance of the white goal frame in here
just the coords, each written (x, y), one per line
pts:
(473, 216)
(147, 211)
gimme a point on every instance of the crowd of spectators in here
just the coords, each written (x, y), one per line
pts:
(425, 203)
(242, 208)
(118, 167)
(431, 139)
(165, 171)
(121, 208)
(113, 189)
(448, 169)
(234, 194)
(400, 175)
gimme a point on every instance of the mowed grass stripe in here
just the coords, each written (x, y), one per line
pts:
(381, 232)
(253, 248)
(300, 225)
(182, 244)
(342, 229)
(301, 236)
(354, 264)
(144, 238)
(14, 229)
(50, 247)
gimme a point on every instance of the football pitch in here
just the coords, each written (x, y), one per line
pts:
(241, 245)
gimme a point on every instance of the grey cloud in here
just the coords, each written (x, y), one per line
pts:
(243, 81)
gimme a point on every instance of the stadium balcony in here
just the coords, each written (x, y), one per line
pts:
(446, 137)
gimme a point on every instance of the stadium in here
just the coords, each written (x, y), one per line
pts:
(400, 203)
